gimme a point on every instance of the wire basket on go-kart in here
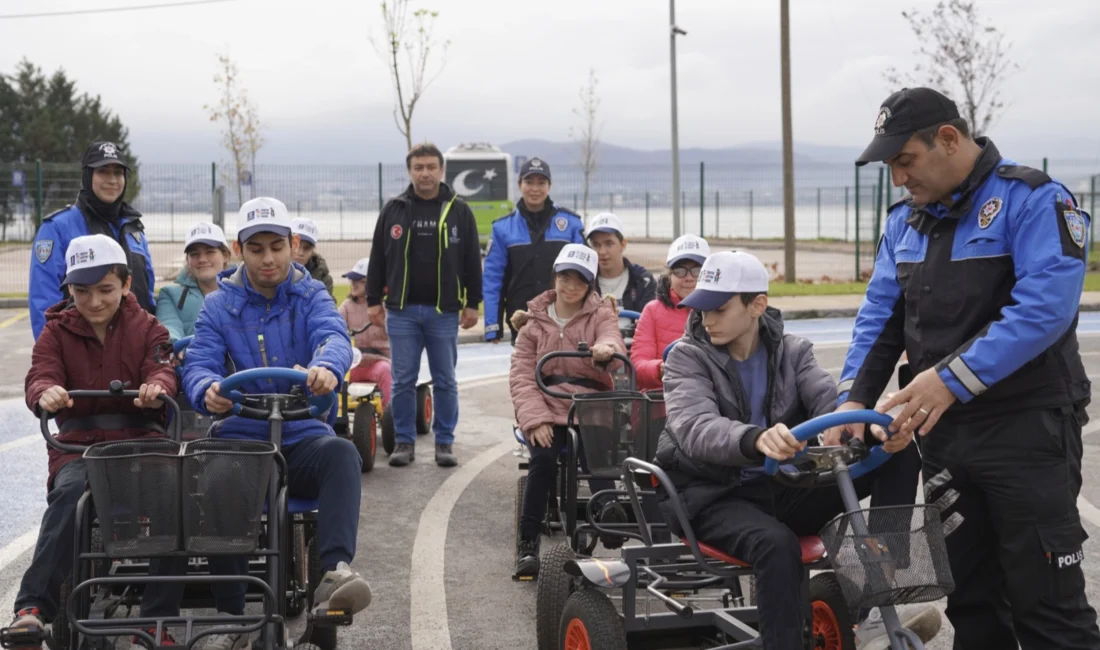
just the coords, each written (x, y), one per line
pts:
(617, 425)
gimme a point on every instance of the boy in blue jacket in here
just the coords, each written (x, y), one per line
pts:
(269, 312)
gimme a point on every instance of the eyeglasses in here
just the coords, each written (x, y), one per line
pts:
(682, 271)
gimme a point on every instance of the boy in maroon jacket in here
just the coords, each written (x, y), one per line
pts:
(101, 334)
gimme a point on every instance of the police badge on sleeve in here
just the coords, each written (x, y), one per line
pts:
(989, 211)
(42, 250)
(1075, 225)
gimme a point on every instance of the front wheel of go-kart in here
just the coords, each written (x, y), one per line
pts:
(364, 434)
(590, 620)
(389, 434)
(552, 591)
(425, 409)
(832, 624)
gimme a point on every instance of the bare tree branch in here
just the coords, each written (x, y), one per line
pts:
(963, 56)
(411, 80)
(588, 135)
(236, 114)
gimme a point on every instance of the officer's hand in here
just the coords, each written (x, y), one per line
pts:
(147, 396)
(836, 435)
(469, 318)
(925, 399)
(542, 435)
(54, 399)
(215, 403)
(320, 381)
(519, 319)
(779, 443)
(377, 315)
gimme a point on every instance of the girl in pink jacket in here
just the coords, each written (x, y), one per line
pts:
(371, 341)
(662, 320)
(558, 320)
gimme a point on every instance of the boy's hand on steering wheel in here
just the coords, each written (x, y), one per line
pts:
(542, 435)
(779, 443)
(602, 352)
(215, 403)
(147, 396)
(320, 381)
(54, 399)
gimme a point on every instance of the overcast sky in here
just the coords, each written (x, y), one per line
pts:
(514, 68)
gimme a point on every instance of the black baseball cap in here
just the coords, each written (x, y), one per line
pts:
(100, 154)
(534, 166)
(903, 114)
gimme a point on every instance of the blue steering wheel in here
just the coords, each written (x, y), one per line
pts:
(318, 404)
(632, 315)
(180, 344)
(810, 428)
(668, 348)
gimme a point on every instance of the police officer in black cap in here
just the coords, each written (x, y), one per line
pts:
(523, 247)
(99, 210)
(977, 279)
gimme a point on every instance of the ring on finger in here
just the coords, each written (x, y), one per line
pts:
(925, 411)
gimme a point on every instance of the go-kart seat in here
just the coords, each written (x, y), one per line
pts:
(812, 550)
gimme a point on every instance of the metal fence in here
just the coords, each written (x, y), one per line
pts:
(837, 206)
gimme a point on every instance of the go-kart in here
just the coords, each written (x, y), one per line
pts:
(361, 413)
(173, 501)
(858, 554)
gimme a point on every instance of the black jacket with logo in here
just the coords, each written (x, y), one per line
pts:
(458, 254)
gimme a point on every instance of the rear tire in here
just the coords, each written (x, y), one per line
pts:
(389, 435)
(590, 622)
(364, 434)
(554, 588)
(425, 409)
(521, 487)
(832, 626)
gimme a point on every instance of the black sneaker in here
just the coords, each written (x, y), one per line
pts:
(402, 455)
(445, 456)
(527, 558)
(612, 512)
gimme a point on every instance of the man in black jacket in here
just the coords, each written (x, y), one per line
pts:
(631, 285)
(425, 263)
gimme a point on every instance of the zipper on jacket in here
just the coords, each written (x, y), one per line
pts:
(440, 245)
(263, 350)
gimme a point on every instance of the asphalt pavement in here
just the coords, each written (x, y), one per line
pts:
(437, 545)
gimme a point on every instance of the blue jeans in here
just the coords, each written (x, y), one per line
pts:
(411, 331)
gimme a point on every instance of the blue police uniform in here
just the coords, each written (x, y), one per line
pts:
(985, 292)
(48, 263)
(520, 263)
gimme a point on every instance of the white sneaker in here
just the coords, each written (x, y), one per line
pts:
(924, 620)
(226, 641)
(343, 588)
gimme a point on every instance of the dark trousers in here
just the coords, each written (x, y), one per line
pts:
(762, 521)
(326, 468)
(53, 556)
(541, 472)
(1008, 489)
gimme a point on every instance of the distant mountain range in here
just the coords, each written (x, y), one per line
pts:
(753, 153)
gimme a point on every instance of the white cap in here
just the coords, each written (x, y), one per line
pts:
(207, 233)
(359, 271)
(725, 275)
(306, 229)
(262, 214)
(89, 257)
(579, 258)
(688, 247)
(605, 222)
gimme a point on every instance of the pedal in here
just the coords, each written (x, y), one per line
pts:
(322, 616)
(518, 578)
(23, 638)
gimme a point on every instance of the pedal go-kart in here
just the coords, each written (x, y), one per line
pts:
(361, 414)
(193, 424)
(165, 499)
(878, 557)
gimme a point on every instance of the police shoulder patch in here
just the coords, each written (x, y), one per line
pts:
(1073, 229)
(561, 223)
(43, 248)
(1075, 224)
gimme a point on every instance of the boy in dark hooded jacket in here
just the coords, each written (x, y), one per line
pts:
(733, 385)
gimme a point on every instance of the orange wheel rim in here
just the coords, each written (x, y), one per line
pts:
(373, 435)
(428, 408)
(826, 627)
(576, 636)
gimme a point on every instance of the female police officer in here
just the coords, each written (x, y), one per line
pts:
(99, 210)
(978, 278)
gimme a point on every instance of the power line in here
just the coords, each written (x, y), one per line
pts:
(112, 9)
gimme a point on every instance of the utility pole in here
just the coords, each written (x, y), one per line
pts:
(673, 31)
(788, 146)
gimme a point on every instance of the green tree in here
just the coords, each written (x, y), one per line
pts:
(46, 118)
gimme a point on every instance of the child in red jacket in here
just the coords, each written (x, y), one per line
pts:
(372, 342)
(100, 335)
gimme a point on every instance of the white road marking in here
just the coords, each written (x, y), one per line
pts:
(19, 442)
(17, 547)
(427, 587)
(1088, 511)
